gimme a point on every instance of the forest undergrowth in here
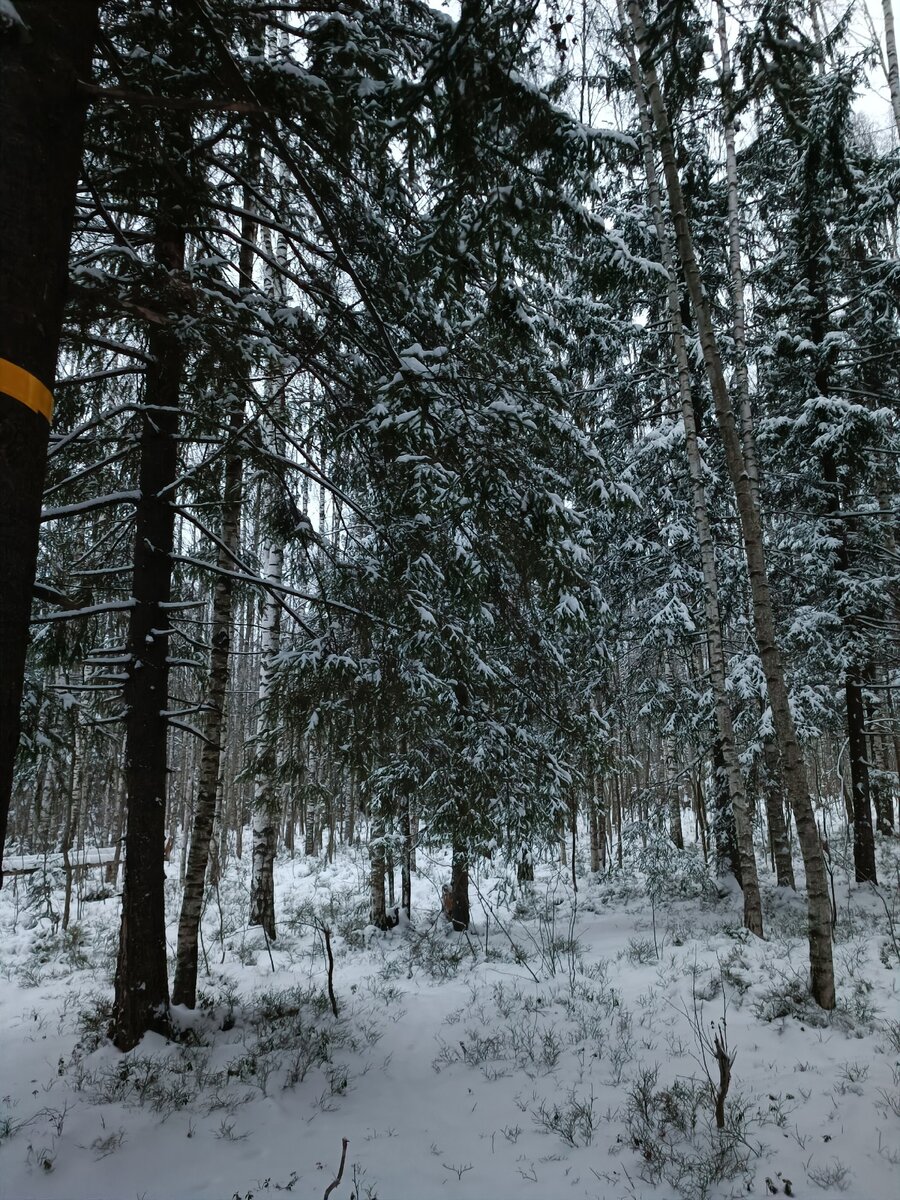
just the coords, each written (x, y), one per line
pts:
(567, 1043)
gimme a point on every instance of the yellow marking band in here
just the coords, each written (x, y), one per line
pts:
(22, 386)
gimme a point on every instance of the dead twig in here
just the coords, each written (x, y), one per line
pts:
(326, 934)
(340, 1175)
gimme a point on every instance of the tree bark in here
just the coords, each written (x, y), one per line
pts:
(41, 127)
(778, 833)
(406, 865)
(184, 988)
(141, 985)
(863, 835)
(735, 265)
(819, 904)
(893, 71)
(378, 915)
(745, 865)
(459, 890)
(262, 882)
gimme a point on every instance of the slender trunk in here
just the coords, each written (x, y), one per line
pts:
(413, 835)
(819, 903)
(406, 866)
(735, 265)
(184, 987)
(112, 871)
(141, 986)
(459, 890)
(861, 802)
(728, 858)
(700, 812)
(378, 915)
(778, 833)
(893, 71)
(42, 124)
(881, 791)
(744, 861)
(598, 840)
(675, 830)
(262, 881)
(74, 807)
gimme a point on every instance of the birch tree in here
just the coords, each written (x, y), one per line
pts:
(819, 905)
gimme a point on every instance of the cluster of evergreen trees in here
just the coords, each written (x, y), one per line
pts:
(464, 426)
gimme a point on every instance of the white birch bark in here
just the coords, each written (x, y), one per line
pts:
(724, 724)
(893, 70)
(262, 886)
(819, 904)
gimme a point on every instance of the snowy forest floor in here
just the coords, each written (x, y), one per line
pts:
(555, 1050)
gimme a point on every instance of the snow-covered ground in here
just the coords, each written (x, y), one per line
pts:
(556, 1050)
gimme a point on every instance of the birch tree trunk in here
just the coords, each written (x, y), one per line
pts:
(265, 799)
(749, 878)
(893, 70)
(74, 808)
(184, 987)
(262, 881)
(739, 305)
(819, 905)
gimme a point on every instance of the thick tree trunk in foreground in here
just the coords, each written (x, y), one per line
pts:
(41, 130)
(819, 904)
(142, 987)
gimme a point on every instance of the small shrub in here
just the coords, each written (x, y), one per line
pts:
(574, 1119)
(673, 1132)
(834, 1176)
(640, 952)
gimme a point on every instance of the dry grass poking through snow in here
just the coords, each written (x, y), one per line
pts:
(564, 1047)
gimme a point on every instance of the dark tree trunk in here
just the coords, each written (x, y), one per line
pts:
(378, 914)
(860, 812)
(459, 890)
(882, 800)
(41, 129)
(406, 866)
(594, 829)
(728, 859)
(778, 832)
(700, 813)
(141, 985)
(863, 837)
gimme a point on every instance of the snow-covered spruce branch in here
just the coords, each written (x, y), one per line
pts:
(86, 471)
(58, 444)
(90, 610)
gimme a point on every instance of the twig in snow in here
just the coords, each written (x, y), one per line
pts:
(326, 934)
(336, 1182)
